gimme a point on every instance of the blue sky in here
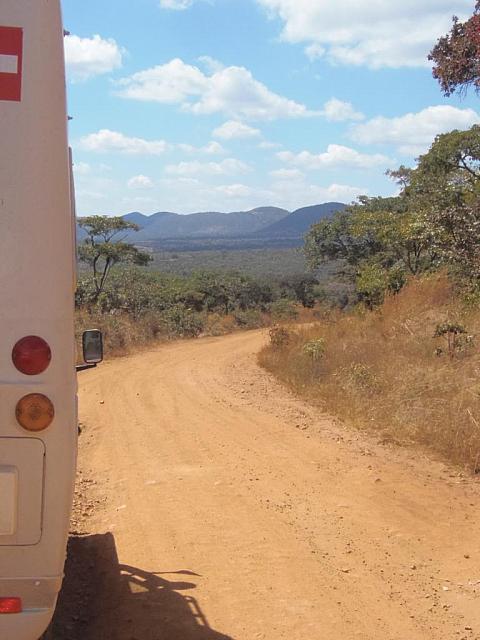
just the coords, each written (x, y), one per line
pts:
(226, 105)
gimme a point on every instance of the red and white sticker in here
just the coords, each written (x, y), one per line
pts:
(11, 63)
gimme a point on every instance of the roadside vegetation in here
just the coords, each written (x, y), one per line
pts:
(404, 360)
(410, 369)
(135, 306)
(267, 263)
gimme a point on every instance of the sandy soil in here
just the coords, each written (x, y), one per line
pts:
(213, 505)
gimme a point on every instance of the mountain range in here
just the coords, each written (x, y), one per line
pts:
(211, 224)
(261, 227)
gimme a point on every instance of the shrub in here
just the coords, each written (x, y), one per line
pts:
(283, 310)
(280, 337)
(359, 376)
(250, 319)
(181, 322)
(314, 349)
(215, 325)
(452, 332)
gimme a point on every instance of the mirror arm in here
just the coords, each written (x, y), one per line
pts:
(84, 367)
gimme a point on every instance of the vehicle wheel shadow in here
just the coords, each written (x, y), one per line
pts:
(104, 600)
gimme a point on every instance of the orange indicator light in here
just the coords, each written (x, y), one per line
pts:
(35, 412)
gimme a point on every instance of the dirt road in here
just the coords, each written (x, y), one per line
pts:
(227, 509)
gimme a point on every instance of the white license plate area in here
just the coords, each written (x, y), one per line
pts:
(8, 500)
(25, 457)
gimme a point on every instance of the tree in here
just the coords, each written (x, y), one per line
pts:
(455, 233)
(229, 291)
(379, 242)
(450, 171)
(333, 239)
(385, 231)
(102, 249)
(371, 283)
(456, 56)
(300, 287)
(395, 226)
(446, 186)
(451, 168)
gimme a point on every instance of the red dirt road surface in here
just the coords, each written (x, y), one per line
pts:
(214, 505)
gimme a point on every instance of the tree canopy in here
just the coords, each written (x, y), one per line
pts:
(435, 220)
(456, 56)
(103, 248)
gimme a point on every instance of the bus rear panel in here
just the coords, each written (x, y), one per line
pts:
(38, 427)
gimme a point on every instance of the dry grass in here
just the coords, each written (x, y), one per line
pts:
(122, 334)
(385, 370)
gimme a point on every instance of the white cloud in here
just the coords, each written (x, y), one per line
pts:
(301, 193)
(335, 156)
(140, 182)
(287, 174)
(206, 193)
(212, 65)
(176, 5)
(106, 140)
(92, 187)
(231, 90)
(229, 197)
(234, 190)
(413, 133)
(338, 111)
(229, 166)
(170, 83)
(265, 144)
(337, 192)
(81, 168)
(212, 148)
(234, 130)
(89, 57)
(375, 33)
(234, 90)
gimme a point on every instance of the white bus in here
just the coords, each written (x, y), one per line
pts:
(38, 423)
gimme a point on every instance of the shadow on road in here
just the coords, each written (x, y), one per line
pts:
(104, 600)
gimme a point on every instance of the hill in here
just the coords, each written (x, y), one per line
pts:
(214, 230)
(211, 224)
(299, 222)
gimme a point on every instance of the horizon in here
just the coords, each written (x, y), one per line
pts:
(193, 213)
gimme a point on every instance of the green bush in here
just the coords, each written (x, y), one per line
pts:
(182, 322)
(283, 310)
(249, 319)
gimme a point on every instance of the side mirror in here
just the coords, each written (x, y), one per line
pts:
(92, 342)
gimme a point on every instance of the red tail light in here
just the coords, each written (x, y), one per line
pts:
(10, 605)
(31, 355)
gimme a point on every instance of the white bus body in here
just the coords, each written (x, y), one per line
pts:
(37, 272)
